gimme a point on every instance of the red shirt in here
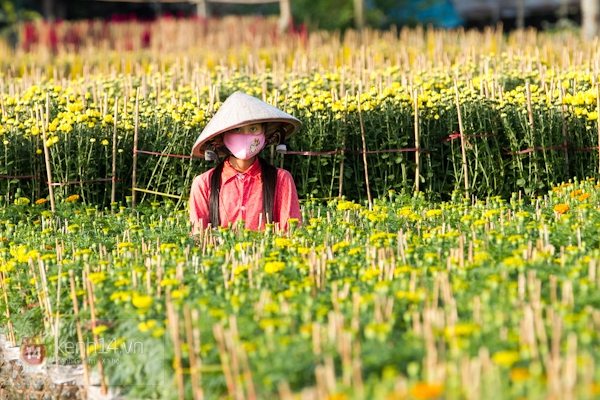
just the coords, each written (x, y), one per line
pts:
(241, 198)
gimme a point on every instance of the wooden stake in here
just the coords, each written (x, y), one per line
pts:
(417, 169)
(47, 316)
(90, 290)
(598, 121)
(82, 349)
(45, 291)
(341, 178)
(2, 98)
(357, 378)
(564, 128)
(47, 155)
(57, 319)
(243, 359)
(173, 321)
(284, 391)
(364, 147)
(235, 365)
(223, 355)
(193, 340)
(462, 141)
(113, 192)
(11, 332)
(135, 143)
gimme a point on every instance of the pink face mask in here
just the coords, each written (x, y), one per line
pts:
(244, 146)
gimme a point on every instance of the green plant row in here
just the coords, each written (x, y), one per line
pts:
(519, 133)
(412, 299)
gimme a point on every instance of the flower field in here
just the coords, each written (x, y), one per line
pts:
(387, 105)
(449, 240)
(412, 299)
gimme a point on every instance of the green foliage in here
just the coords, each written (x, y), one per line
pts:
(13, 11)
(504, 151)
(353, 290)
(328, 14)
(339, 14)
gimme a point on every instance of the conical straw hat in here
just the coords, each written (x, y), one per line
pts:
(241, 109)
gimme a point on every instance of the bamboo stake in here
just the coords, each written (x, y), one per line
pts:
(193, 340)
(357, 377)
(113, 192)
(47, 316)
(11, 332)
(364, 146)
(82, 349)
(529, 106)
(2, 97)
(57, 319)
(135, 143)
(417, 169)
(90, 290)
(598, 121)
(47, 156)
(45, 291)
(173, 321)
(235, 364)
(462, 141)
(341, 178)
(284, 391)
(223, 355)
(243, 359)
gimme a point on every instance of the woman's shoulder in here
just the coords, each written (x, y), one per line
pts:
(284, 174)
(204, 177)
(281, 171)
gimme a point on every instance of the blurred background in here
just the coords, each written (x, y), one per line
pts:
(321, 14)
(582, 16)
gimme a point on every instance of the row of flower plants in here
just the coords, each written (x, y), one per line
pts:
(408, 298)
(528, 118)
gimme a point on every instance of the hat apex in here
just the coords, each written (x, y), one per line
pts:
(241, 109)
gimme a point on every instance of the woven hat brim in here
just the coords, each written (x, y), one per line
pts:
(241, 109)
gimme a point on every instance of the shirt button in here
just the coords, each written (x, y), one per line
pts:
(243, 208)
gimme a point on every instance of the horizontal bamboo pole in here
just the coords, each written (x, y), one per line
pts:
(157, 193)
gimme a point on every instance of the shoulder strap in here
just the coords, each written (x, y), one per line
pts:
(215, 190)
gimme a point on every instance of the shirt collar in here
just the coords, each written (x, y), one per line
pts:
(229, 172)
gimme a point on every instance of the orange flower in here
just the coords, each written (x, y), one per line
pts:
(396, 396)
(583, 197)
(576, 193)
(424, 390)
(337, 396)
(72, 198)
(561, 208)
(595, 388)
(519, 374)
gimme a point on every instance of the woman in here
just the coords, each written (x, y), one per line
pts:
(244, 186)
